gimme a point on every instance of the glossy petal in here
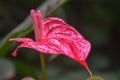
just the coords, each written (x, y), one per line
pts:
(57, 38)
(56, 27)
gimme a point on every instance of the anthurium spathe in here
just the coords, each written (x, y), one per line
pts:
(54, 36)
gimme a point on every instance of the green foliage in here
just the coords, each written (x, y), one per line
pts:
(26, 69)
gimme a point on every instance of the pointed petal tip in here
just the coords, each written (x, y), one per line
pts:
(11, 39)
(14, 54)
(83, 62)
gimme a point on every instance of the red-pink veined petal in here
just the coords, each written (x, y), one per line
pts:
(56, 46)
(56, 27)
(54, 36)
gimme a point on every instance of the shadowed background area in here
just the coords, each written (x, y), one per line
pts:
(97, 21)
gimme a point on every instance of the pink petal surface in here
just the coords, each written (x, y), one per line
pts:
(56, 27)
(56, 37)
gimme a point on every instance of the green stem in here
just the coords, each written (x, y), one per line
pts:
(43, 68)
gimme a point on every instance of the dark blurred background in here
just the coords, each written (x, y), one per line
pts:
(97, 20)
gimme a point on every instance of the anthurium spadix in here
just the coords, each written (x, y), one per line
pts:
(54, 36)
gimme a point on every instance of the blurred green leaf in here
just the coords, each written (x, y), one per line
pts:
(26, 69)
(25, 27)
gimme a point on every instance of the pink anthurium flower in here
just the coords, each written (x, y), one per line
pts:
(54, 36)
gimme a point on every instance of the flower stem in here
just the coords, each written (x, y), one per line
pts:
(43, 67)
